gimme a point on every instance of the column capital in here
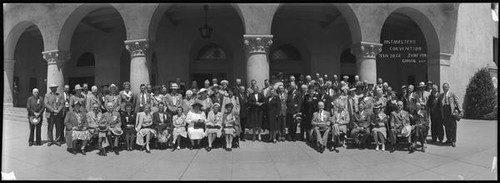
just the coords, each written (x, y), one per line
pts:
(137, 47)
(257, 43)
(366, 49)
(56, 56)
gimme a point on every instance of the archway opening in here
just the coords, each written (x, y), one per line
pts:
(182, 52)
(97, 49)
(30, 68)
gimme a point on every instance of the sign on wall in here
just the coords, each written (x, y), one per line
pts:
(403, 50)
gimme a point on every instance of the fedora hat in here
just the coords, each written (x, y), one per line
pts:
(406, 131)
(33, 120)
(174, 86)
(112, 86)
(53, 85)
(78, 87)
(202, 90)
(421, 84)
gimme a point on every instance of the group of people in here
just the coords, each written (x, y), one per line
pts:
(325, 110)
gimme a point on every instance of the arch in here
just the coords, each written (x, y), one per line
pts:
(347, 12)
(164, 7)
(13, 37)
(75, 18)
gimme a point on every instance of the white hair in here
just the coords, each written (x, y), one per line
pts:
(94, 88)
(35, 89)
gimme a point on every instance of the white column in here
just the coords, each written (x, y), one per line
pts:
(139, 70)
(366, 54)
(8, 81)
(55, 67)
(257, 61)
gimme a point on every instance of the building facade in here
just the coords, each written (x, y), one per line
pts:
(157, 43)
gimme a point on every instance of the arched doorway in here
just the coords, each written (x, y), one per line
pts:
(30, 68)
(182, 53)
(410, 44)
(287, 59)
(98, 34)
(321, 32)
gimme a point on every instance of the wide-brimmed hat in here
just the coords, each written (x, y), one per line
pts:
(429, 82)
(112, 86)
(352, 89)
(404, 86)
(406, 131)
(346, 77)
(202, 90)
(174, 86)
(78, 87)
(421, 84)
(197, 104)
(215, 86)
(216, 104)
(53, 85)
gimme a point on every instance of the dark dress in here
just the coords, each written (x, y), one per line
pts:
(255, 112)
(309, 106)
(273, 109)
(390, 107)
(128, 121)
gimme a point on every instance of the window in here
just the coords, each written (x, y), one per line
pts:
(86, 59)
(211, 51)
(347, 57)
(286, 52)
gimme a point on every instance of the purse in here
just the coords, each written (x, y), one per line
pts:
(34, 121)
(198, 125)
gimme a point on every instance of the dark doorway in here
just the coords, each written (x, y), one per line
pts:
(201, 77)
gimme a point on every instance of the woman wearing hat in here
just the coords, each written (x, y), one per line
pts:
(173, 99)
(113, 97)
(128, 125)
(126, 95)
(114, 125)
(204, 100)
(179, 124)
(196, 121)
(214, 125)
(229, 122)
(379, 124)
(76, 128)
(77, 97)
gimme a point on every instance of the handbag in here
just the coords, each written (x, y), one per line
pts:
(34, 121)
(457, 114)
(198, 125)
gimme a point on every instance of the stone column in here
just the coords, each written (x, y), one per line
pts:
(257, 62)
(365, 60)
(55, 67)
(139, 70)
(8, 81)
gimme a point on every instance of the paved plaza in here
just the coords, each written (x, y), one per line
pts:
(471, 159)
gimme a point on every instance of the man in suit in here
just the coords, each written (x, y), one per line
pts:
(102, 97)
(35, 108)
(66, 96)
(283, 96)
(326, 99)
(54, 104)
(321, 122)
(217, 96)
(308, 107)
(256, 103)
(243, 99)
(142, 99)
(449, 103)
(92, 98)
(437, 129)
(361, 126)
(162, 121)
(236, 87)
(173, 99)
(293, 103)
(399, 119)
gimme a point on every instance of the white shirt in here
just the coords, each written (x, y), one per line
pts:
(321, 115)
(256, 96)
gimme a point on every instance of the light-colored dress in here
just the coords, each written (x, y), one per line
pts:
(179, 126)
(187, 105)
(191, 118)
(379, 123)
(341, 121)
(144, 126)
(216, 121)
(114, 122)
(229, 122)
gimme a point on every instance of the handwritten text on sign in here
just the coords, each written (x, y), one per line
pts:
(408, 51)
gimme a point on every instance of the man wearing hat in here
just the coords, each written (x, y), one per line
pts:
(76, 128)
(173, 99)
(35, 116)
(429, 86)
(400, 119)
(346, 80)
(54, 105)
(113, 97)
(85, 90)
(217, 97)
(77, 97)
(92, 98)
(422, 96)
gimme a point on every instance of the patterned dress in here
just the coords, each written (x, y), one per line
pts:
(144, 126)
(179, 126)
(229, 122)
(214, 123)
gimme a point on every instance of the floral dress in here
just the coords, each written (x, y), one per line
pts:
(229, 122)
(214, 123)
(179, 126)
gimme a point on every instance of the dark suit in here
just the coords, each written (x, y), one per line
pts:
(361, 126)
(437, 129)
(159, 125)
(243, 99)
(397, 122)
(308, 107)
(54, 102)
(139, 103)
(217, 98)
(292, 107)
(35, 105)
(255, 112)
(448, 104)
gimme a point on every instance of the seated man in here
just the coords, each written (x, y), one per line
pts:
(321, 123)
(163, 124)
(339, 126)
(420, 128)
(93, 117)
(400, 125)
(76, 128)
(361, 126)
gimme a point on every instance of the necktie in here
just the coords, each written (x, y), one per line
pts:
(142, 99)
(320, 115)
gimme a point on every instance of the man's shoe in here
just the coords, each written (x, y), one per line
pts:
(73, 151)
(50, 143)
(116, 151)
(148, 151)
(423, 149)
(453, 144)
(393, 149)
(83, 151)
(30, 144)
(58, 144)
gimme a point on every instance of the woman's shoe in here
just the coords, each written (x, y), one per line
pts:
(383, 147)
(230, 149)
(148, 151)
(376, 148)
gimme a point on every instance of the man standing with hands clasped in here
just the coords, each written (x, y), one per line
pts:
(449, 107)
(54, 104)
(35, 116)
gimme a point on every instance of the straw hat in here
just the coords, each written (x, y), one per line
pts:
(174, 86)
(53, 85)
(78, 87)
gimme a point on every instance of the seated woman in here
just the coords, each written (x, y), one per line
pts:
(163, 124)
(76, 128)
(321, 122)
(339, 126)
(128, 125)
(179, 124)
(144, 127)
(229, 122)
(379, 123)
(421, 127)
(114, 122)
(214, 125)
(196, 122)
(102, 132)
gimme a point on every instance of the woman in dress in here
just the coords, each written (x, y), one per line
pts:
(113, 97)
(379, 123)
(144, 128)
(214, 125)
(187, 102)
(204, 100)
(229, 122)
(126, 95)
(114, 122)
(179, 123)
(76, 128)
(102, 131)
(273, 109)
(231, 98)
(128, 125)
(196, 122)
